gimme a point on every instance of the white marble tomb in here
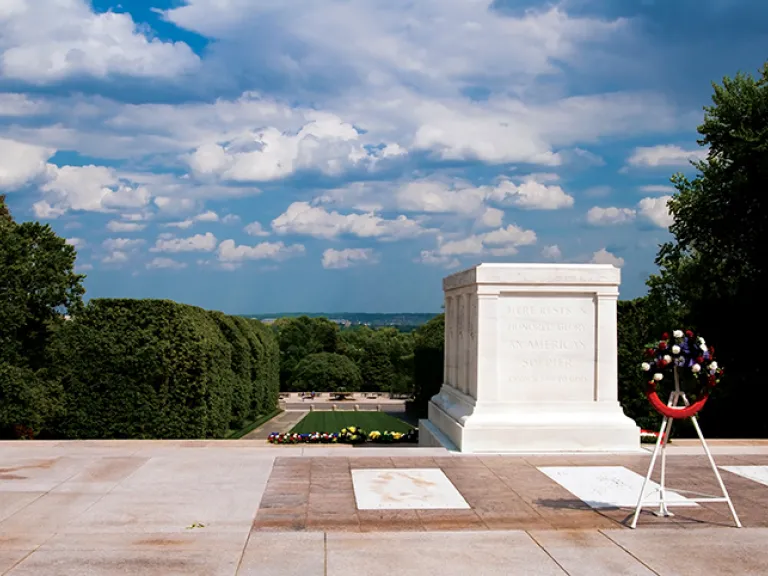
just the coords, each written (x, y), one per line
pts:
(530, 362)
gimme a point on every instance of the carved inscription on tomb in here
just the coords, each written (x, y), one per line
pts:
(547, 348)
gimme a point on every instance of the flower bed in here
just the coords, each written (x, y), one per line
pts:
(351, 435)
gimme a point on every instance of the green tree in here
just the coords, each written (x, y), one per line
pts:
(376, 368)
(353, 343)
(428, 357)
(38, 286)
(300, 337)
(384, 356)
(714, 271)
(640, 321)
(327, 372)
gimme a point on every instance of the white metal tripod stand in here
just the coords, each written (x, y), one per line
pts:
(661, 444)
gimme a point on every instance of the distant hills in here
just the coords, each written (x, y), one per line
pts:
(400, 320)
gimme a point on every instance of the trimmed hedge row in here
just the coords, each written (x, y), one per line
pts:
(158, 369)
(28, 400)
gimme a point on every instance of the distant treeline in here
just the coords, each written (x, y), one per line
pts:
(405, 321)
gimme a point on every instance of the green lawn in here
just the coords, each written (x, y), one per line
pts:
(334, 421)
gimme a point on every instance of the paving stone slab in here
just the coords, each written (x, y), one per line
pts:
(48, 514)
(12, 502)
(284, 554)
(160, 562)
(10, 558)
(723, 551)
(199, 539)
(588, 553)
(438, 554)
(168, 511)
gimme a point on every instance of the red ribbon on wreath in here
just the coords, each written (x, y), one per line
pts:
(682, 352)
(676, 412)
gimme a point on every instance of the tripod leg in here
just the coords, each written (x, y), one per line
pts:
(716, 471)
(650, 471)
(663, 510)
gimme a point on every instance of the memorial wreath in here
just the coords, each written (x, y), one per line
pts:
(684, 356)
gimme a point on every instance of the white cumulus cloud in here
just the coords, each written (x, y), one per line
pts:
(89, 188)
(119, 249)
(19, 105)
(116, 257)
(76, 242)
(437, 41)
(602, 256)
(665, 155)
(433, 259)
(531, 194)
(167, 263)
(491, 218)
(255, 229)
(439, 197)
(174, 205)
(652, 209)
(656, 211)
(336, 259)
(21, 163)
(303, 218)
(197, 243)
(121, 226)
(208, 216)
(610, 216)
(327, 144)
(232, 253)
(500, 242)
(43, 41)
(121, 244)
(436, 195)
(551, 252)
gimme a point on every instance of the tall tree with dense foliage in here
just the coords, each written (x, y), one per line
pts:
(327, 372)
(715, 270)
(300, 337)
(384, 357)
(428, 357)
(38, 286)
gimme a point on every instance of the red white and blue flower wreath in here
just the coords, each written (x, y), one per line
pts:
(692, 358)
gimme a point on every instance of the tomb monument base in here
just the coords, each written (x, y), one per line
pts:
(530, 362)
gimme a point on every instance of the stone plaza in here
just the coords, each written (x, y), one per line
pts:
(214, 508)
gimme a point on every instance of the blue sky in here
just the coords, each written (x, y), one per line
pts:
(257, 156)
